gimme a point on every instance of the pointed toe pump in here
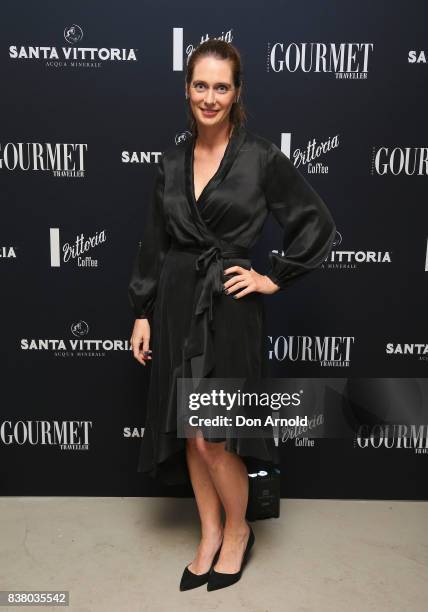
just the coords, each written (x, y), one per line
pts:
(189, 580)
(219, 580)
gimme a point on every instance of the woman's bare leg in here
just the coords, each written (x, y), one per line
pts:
(209, 507)
(230, 478)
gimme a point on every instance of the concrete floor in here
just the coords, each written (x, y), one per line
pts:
(127, 554)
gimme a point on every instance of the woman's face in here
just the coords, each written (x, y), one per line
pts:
(211, 91)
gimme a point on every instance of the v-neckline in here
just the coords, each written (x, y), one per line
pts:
(192, 161)
(198, 209)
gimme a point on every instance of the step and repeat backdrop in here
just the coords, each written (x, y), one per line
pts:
(92, 94)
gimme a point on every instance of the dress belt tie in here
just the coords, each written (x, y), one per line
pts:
(199, 345)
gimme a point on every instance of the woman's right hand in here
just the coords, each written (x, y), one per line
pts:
(140, 340)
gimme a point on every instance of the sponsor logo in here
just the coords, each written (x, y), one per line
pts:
(342, 259)
(396, 161)
(74, 55)
(419, 350)
(310, 154)
(65, 435)
(327, 351)
(343, 60)
(179, 51)
(78, 347)
(417, 57)
(74, 251)
(7, 252)
(61, 159)
(133, 432)
(397, 436)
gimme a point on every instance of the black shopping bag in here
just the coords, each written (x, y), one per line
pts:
(264, 494)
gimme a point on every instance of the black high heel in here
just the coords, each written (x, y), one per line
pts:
(219, 580)
(189, 580)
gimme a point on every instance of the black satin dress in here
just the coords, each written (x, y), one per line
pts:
(177, 279)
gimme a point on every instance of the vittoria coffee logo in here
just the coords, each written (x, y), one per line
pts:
(61, 159)
(79, 346)
(72, 56)
(343, 60)
(309, 155)
(179, 52)
(74, 251)
(397, 436)
(327, 351)
(397, 161)
(418, 350)
(341, 259)
(7, 252)
(300, 433)
(66, 435)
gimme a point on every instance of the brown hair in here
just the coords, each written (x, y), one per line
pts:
(221, 50)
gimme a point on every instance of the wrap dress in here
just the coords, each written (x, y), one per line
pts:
(177, 279)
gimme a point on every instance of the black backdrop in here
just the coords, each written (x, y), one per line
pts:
(108, 119)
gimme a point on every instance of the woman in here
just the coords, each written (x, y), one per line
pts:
(199, 303)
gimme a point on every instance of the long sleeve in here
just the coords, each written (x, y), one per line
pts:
(308, 227)
(148, 262)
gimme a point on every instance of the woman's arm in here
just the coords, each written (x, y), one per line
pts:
(308, 227)
(149, 259)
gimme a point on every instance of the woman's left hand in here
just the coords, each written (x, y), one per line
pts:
(247, 281)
